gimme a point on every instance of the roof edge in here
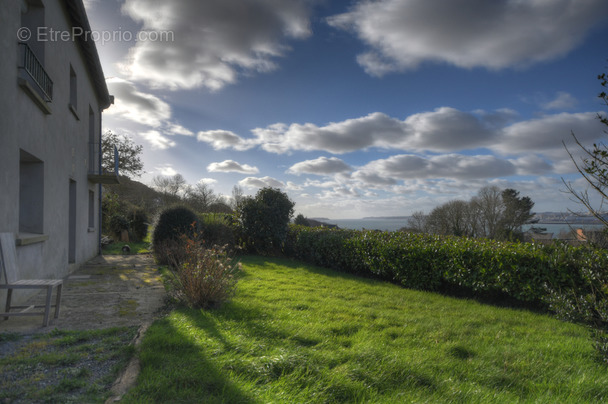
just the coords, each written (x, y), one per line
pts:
(78, 18)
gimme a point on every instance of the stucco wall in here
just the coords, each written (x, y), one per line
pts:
(60, 140)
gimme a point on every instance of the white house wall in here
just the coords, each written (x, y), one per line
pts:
(58, 139)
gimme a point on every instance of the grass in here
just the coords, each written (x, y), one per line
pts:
(295, 333)
(63, 366)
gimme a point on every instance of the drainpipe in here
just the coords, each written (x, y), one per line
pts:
(100, 189)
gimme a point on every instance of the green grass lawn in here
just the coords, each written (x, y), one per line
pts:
(301, 334)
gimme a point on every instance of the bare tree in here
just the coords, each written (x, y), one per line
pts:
(489, 206)
(200, 197)
(171, 187)
(593, 166)
(237, 197)
(417, 222)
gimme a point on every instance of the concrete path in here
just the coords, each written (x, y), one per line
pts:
(108, 291)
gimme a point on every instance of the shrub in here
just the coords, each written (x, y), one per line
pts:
(203, 277)
(118, 223)
(265, 220)
(139, 224)
(172, 224)
(218, 229)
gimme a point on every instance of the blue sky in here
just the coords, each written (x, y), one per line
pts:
(357, 108)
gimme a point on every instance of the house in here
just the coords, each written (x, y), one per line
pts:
(52, 94)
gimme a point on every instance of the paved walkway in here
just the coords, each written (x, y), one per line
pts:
(108, 291)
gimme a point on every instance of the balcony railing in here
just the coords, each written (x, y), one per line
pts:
(97, 173)
(29, 63)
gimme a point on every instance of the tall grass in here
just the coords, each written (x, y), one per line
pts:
(296, 333)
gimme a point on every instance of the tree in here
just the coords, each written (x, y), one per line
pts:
(517, 211)
(129, 161)
(265, 219)
(489, 207)
(593, 166)
(170, 187)
(237, 197)
(451, 218)
(301, 220)
(492, 213)
(417, 223)
(200, 197)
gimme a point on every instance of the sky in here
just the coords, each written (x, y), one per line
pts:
(358, 108)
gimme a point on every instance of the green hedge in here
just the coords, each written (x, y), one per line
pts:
(523, 271)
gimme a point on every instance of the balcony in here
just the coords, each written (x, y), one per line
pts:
(34, 79)
(97, 173)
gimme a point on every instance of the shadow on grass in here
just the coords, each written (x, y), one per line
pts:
(174, 368)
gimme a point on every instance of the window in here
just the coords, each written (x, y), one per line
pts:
(32, 18)
(73, 92)
(31, 194)
(32, 77)
(91, 209)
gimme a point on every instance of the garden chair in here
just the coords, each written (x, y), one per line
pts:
(10, 271)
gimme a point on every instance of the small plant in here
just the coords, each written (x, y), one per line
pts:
(172, 224)
(203, 277)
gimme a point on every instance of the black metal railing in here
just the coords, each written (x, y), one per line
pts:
(95, 167)
(29, 63)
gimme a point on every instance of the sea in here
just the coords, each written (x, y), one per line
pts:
(394, 224)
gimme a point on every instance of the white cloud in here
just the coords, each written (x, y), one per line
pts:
(231, 166)
(384, 172)
(157, 140)
(440, 130)
(253, 182)
(207, 181)
(320, 166)
(562, 101)
(223, 139)
(137, 106)
(402, 34)
(176, 129)
(166, 170)
(546, 134)
(529, 147)
(212, 42)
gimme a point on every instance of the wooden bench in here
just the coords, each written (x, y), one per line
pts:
(10, 270)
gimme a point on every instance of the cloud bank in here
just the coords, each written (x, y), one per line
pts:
(403, 34)
(212, 42)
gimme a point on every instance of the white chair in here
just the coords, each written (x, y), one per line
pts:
(10, 270)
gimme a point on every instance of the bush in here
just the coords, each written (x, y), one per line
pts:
(521, 271)
(265, 220)
(172, 224)
(218, 229)
(139, 224)
(118, 223)
(203, 277)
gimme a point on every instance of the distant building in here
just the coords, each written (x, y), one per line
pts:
(53, 92)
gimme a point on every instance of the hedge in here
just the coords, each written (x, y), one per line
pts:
(523, 271)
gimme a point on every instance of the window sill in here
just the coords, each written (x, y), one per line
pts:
(73, 110)
(27, 87)
(30, 238)
(91, 229)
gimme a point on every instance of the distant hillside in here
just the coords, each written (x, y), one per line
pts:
(135, 192)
